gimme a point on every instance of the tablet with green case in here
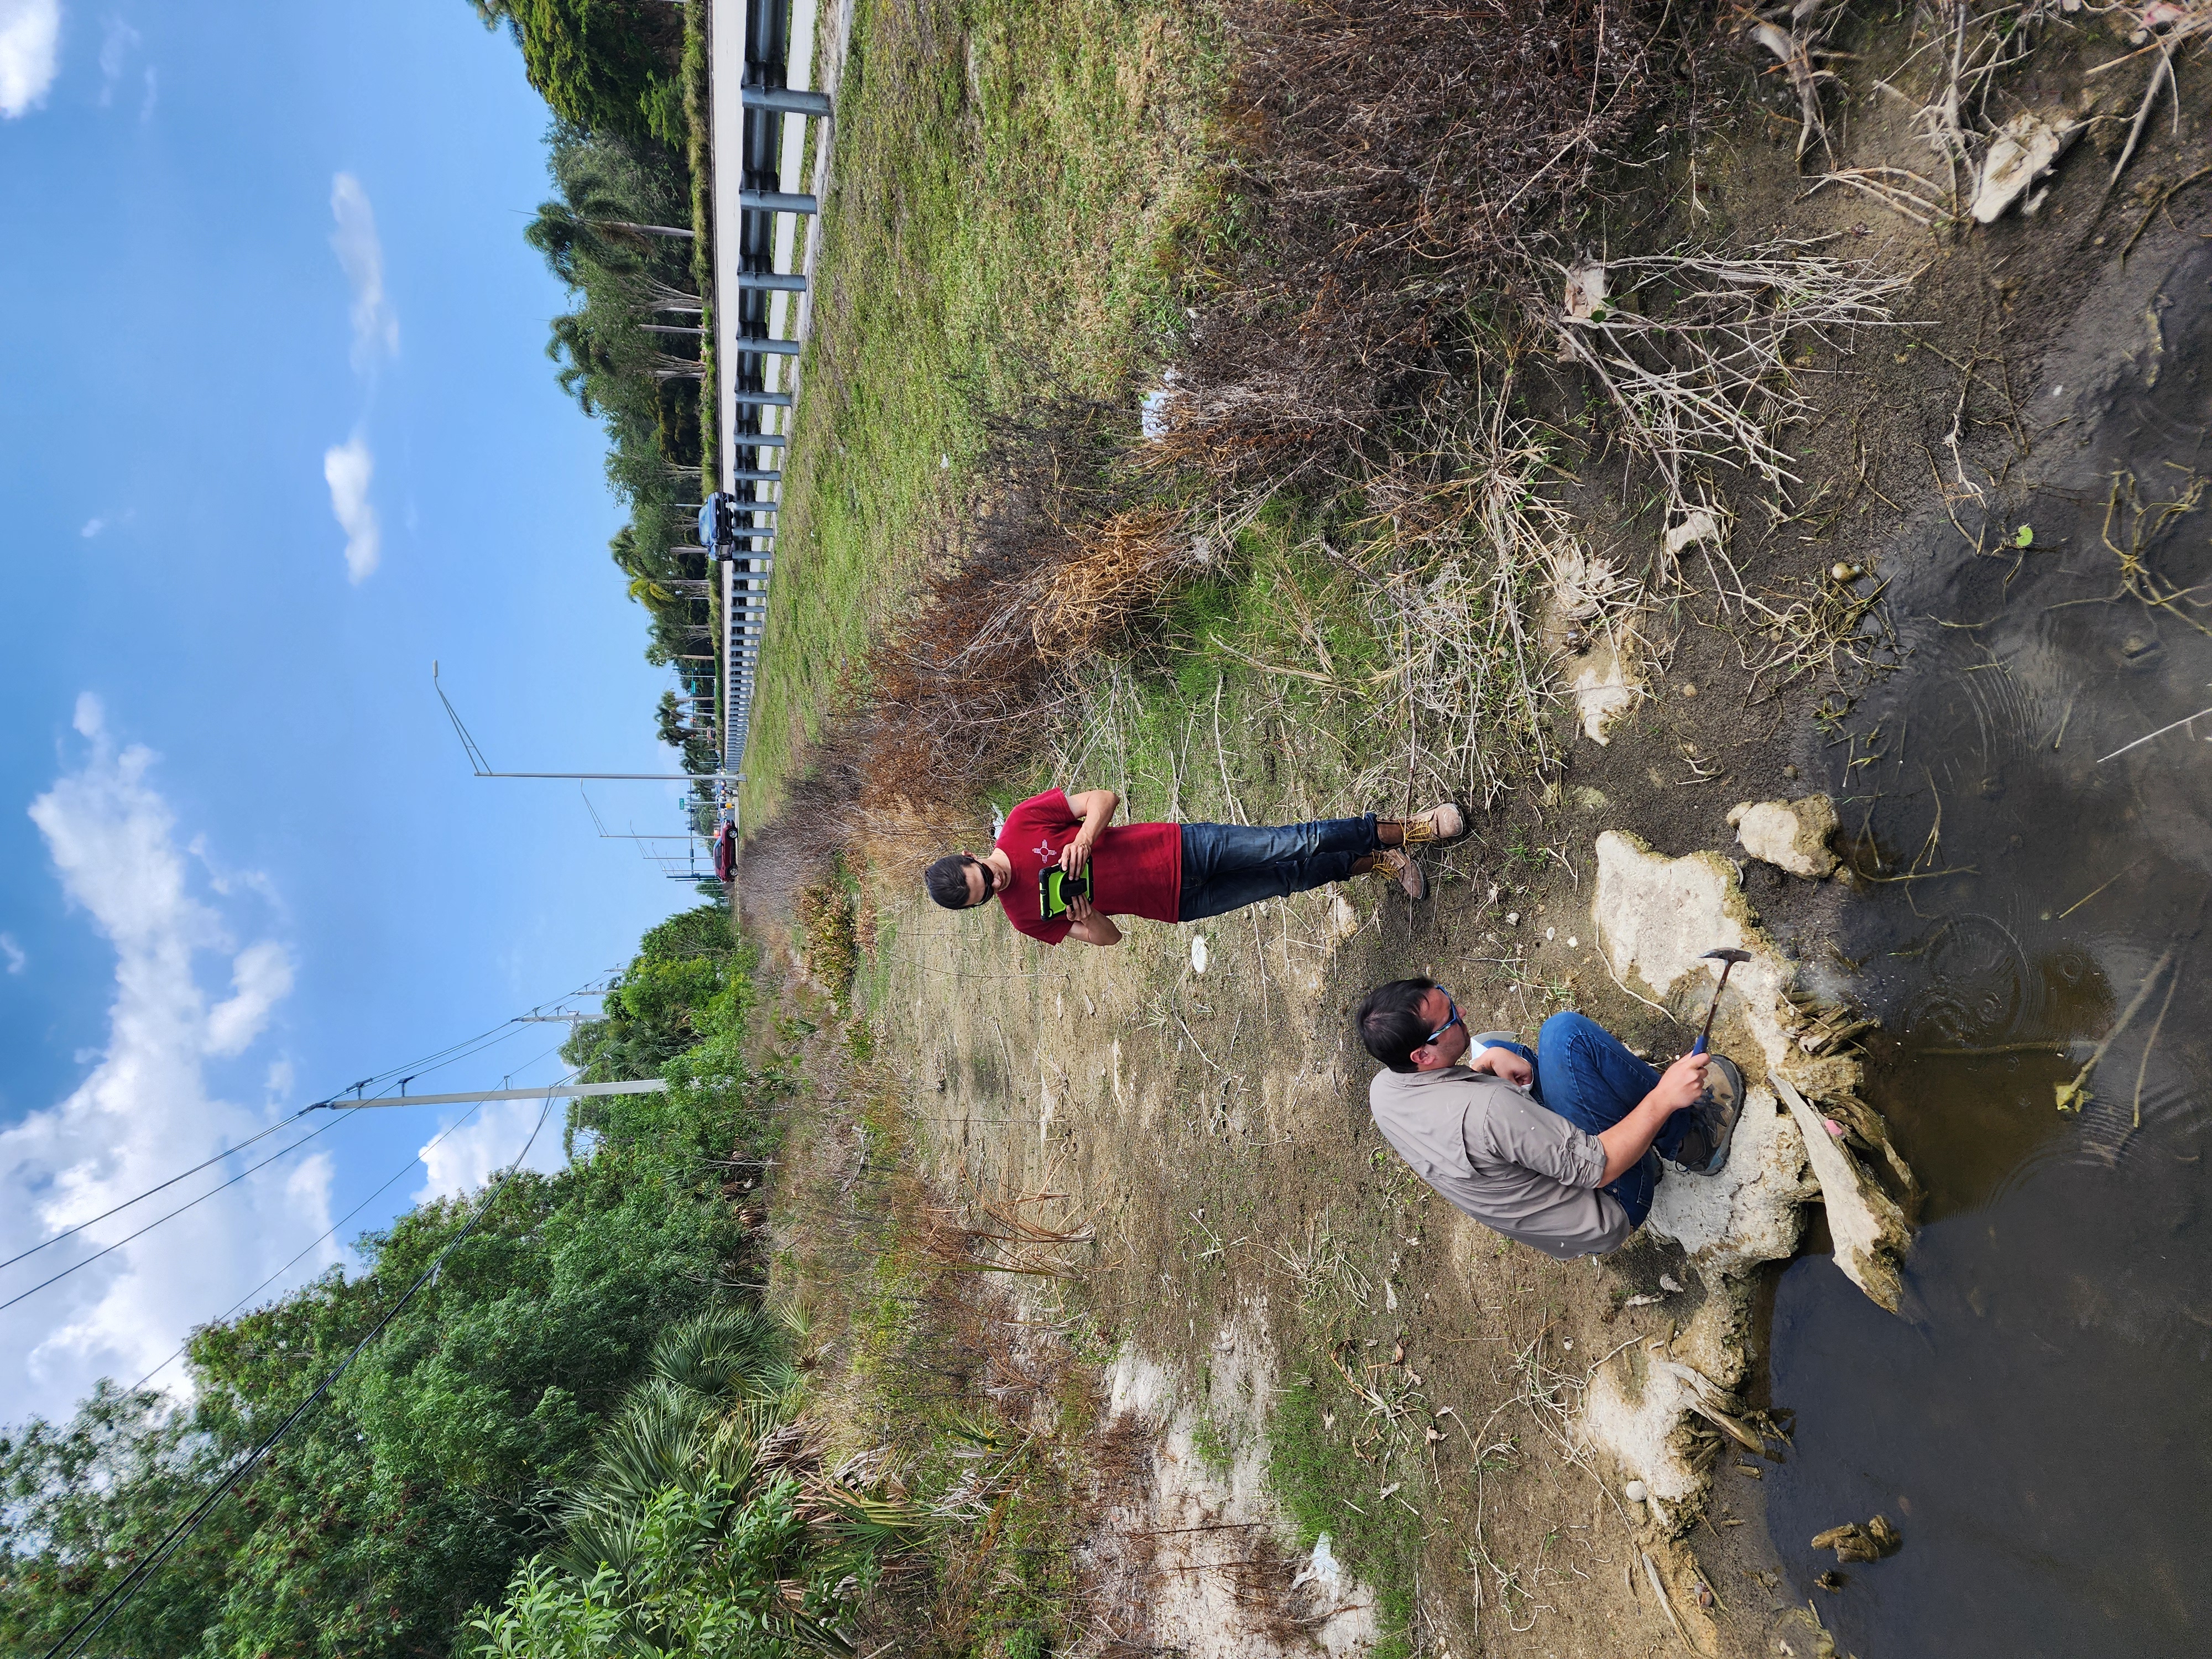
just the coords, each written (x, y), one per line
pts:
(1057, 890)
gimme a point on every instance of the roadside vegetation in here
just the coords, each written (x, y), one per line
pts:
(468, 1438)
(628, 229)
(1017, 193)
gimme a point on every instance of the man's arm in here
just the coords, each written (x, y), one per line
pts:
(1514, 1130)
(1097, 807)
(1627, 1141)
(1093, 928)
(1502, 1062)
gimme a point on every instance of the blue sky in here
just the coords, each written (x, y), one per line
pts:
(276, 429)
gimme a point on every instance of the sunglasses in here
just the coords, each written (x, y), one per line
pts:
(990, 882)
(1436, 1036)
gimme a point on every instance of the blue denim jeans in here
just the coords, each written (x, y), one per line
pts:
(1226, 866)
(1587, 1075)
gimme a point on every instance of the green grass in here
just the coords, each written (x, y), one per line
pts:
(1280, 636)
(1324, 1486)
(1013, 184)
(1215, 1453)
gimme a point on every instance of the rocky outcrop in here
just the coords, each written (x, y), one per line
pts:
(1656, 918)
(1791, 834)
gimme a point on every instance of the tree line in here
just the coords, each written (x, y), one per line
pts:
(471, 1437)
(621, 233)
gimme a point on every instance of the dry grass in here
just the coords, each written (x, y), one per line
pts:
(1050, 563)
(1392, 167)
(1703, 359)
(1470, 537)
(1823, 628)
(1112, 571)
(826, 922)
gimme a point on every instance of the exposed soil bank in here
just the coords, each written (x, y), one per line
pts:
(1461, 1415)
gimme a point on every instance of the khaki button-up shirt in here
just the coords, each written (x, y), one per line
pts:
(1500, 1157)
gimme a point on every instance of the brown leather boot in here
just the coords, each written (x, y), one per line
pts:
(1399, 866)
(1441, 822)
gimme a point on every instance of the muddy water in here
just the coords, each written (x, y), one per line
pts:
(2040, 1429)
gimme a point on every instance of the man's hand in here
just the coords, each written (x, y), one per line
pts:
(1627, 1141)
(1075, 857)
(1079, 909)
(1503, 1062)
(1678, 1084)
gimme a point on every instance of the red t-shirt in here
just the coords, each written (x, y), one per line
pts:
(1136, 869)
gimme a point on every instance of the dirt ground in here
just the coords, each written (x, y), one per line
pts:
(1305, 1322)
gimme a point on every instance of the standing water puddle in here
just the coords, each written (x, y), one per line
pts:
(2040, 1428)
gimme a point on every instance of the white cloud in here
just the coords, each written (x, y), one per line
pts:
(116, 37)
(92, 527)
(375, 325)
(260, 978)
(146, 1110)
(472, 1154)
(348, 468)
(16, 959)
(30, 53)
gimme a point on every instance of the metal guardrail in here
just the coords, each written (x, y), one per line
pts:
(755, 471)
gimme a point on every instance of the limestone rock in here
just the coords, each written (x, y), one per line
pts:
(1870, 1231)
(1791, 834)
(1642, 1397)
(1656, 917)
(1752, 1211)
(1585, 294)
(1589, 621)
(2023, 150)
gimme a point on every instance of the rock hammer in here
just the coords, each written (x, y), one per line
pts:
(1727, 959)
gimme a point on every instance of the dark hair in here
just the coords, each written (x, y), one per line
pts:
(1391, 1023)
(948, 880)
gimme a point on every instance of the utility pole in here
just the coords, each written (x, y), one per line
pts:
(481, 768)
(556, 1091)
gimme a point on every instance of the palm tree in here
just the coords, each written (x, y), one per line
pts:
(707, 1509)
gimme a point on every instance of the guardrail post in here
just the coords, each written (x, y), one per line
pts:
(786, 101)
(777, 201)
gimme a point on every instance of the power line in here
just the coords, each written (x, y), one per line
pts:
(172, 1215)
(136, 1579)
(226, 1152)
(439, 1058)
(333, 1232)
(433, 1061)
(453, 1128)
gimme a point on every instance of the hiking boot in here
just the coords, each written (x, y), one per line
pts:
(1444, 823)
(1400, 868)
(1713, 1116)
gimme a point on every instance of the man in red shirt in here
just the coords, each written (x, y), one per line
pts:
(1170, 872)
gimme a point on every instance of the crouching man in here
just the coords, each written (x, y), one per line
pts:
(1168, 872)
(1560, 1148)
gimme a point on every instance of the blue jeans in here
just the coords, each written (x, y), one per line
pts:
(1226, 866)
(1594, 1082)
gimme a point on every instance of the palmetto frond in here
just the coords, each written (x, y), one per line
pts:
(727, 1356)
